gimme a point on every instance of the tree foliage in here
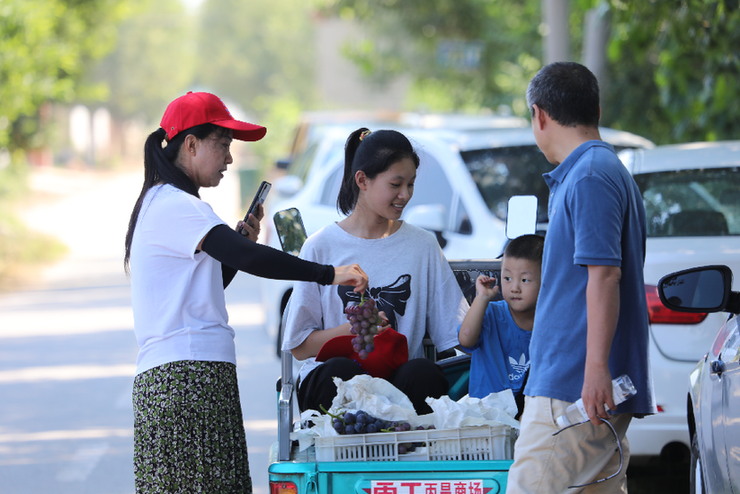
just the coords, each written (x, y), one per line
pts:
(675, 67)
(45, 47)
(152, 62)
(256, 55)
(672, 66)
(437, 41)
(259, 55)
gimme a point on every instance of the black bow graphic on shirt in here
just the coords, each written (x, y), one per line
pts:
(390, 299)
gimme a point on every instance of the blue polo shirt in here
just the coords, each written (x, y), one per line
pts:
(596, 217)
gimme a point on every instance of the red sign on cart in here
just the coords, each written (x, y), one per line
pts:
(427, 487)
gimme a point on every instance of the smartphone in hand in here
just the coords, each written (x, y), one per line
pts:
(259, 198)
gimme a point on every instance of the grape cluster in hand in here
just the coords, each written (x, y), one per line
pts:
(364, 321)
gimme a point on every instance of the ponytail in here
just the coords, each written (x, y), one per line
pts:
(348, 192)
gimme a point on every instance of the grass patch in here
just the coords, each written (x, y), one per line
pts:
(22, 250)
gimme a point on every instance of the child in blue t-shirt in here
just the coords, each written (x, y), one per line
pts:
(497, 333)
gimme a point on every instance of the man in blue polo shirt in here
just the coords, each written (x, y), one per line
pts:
(591, 323)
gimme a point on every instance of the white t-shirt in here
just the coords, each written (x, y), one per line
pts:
(409, 278)
(177, 294)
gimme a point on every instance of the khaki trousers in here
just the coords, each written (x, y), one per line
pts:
(547, 464)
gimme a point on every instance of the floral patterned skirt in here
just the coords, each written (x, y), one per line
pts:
(188, 430)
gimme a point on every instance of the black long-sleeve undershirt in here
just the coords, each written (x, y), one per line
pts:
(236, 252)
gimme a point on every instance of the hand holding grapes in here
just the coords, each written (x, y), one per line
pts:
(384, 322)
(351, 274)
(367, 338)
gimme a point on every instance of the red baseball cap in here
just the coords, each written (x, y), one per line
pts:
(200, 108)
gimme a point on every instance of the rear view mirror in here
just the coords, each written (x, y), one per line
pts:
(287, 186)
(521, 216)
(428, 216)
(290, 230)
(704, 289)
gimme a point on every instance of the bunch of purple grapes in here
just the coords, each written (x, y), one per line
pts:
(364, 321)
(361, 422)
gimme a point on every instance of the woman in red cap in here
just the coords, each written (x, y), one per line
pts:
(188, 429)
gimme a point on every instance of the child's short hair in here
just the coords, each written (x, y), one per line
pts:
(527, 247)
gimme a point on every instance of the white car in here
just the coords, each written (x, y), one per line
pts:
(691, 201)
(467, 174)
(714, 384)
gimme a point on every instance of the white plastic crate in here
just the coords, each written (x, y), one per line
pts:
(466, 443)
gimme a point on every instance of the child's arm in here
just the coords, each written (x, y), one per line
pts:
(485, 291)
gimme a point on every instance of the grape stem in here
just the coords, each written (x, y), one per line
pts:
(327, 412)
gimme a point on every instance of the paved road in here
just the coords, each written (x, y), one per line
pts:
(67, 349)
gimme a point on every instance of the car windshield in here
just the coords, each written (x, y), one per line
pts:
(691, 203)
(502, 172)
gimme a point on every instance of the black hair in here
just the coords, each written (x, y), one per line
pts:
(568, 92)
(527, 247)
(160, 167)
(373, 153)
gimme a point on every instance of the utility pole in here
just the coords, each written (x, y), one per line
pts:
(556, 37)
(596, 37)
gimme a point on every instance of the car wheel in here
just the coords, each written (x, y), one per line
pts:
(697, 478)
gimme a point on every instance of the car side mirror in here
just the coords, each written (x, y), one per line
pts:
(290, 230)
(701, 289)
(427, 216)
(287, 186)
(283, 163)
(521, 216)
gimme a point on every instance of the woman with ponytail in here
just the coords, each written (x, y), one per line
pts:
(411, 281)
(188, 429)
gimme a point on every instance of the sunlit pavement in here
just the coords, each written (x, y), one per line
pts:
(67, 350)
